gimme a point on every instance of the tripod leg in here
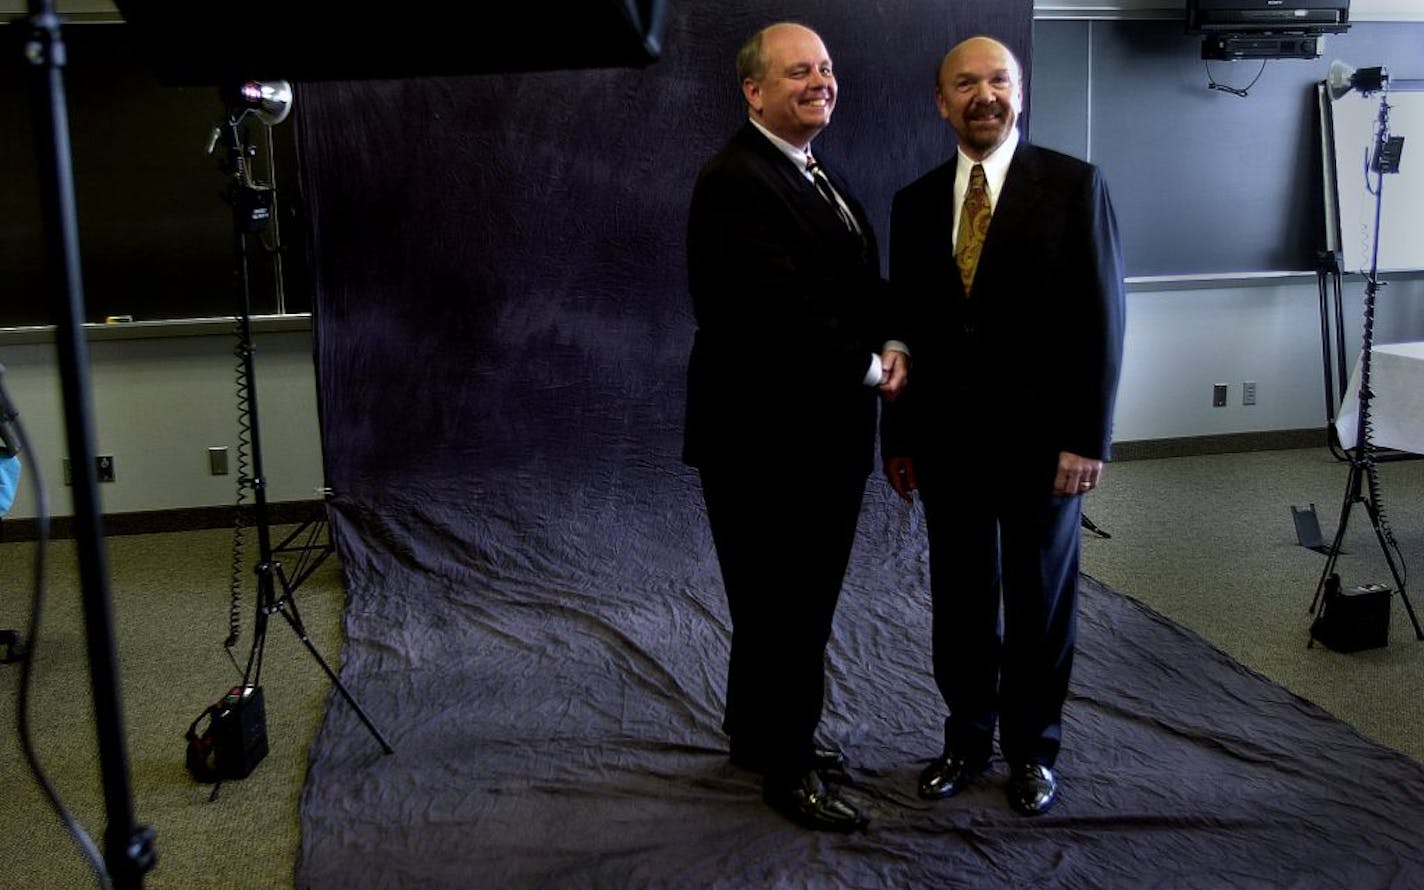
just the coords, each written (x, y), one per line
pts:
(1352, 494)
(315, 547)
(1393, 568)
(287, 607)
(1092, 527)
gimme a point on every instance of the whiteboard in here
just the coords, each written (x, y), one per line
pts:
(1354, 123)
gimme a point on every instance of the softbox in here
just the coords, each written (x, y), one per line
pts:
(217, 43)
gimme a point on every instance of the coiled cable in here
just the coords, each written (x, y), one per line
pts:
(239, 516)
(1366, 446)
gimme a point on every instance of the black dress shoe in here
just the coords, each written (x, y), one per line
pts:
(811, 803)
(948, 775)
(1032, 789)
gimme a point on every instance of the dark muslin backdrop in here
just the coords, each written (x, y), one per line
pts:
(535, 617)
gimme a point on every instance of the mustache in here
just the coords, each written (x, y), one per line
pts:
(985, 110)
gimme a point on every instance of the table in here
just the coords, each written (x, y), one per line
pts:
(1397, 406)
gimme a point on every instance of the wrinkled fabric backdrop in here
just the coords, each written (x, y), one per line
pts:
(535, 615)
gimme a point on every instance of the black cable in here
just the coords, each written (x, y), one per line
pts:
(240, 186)
(1372, 477)
(1235, 91)
(1366, 451)
(239, 518)
(22, 707)
(244, 441)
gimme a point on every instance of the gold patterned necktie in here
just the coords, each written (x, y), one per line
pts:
(973, 226)
(823, 185)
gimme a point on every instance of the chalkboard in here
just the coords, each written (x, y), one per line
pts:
(156, 236)
(1353, 122)
(1204, 182)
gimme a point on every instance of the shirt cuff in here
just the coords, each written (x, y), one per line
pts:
(874, 372)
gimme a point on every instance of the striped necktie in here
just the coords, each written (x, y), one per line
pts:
(823, 185)
(973, 227)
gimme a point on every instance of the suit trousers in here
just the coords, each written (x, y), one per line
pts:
(783, 547)
(1007, 544)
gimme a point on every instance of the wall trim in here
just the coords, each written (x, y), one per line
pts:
(1226, 443)
(149, 330)
(147, 522)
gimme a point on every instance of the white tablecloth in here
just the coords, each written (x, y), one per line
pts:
(1397, 407)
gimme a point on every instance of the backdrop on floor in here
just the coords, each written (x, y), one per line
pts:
(535, 616)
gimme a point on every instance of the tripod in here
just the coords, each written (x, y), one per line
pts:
(311, 541)
(1362, 458)
(251, 211)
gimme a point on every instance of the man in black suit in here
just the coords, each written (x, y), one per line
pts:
(1007, 418)
(781, 407)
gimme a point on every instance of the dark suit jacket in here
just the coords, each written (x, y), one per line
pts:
(1029, 364)
(789, 307)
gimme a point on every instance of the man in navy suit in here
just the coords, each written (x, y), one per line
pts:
(789, 353)
(1006, 422)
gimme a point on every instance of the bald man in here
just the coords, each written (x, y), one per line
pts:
(1007, 279)
(788, 361)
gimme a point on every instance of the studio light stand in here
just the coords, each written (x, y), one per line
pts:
(1363, 484)
(128, 849)
(269, 103)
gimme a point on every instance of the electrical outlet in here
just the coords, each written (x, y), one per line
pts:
(103, 469)
(217, 461)
(1248, 392)
(1218, 395)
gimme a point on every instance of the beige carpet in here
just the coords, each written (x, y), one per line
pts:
(1209, 542)
(170, 595)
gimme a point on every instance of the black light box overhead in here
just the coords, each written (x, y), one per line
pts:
(197, 43)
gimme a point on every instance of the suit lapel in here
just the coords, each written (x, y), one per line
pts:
(779, 168)
(799, 190)
(940, 222)
(1013, 211)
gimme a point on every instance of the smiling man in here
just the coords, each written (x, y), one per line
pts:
(788, 83)
(1007, 278)
(782, 384)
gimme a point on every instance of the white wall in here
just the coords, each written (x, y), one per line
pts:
(159, 404)
(1185, 337)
